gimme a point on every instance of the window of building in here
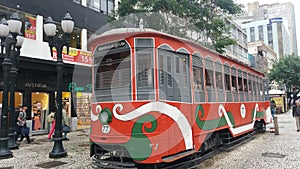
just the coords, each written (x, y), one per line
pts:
(252, 34)
(260, 33)
(104, 6)
(77, 1)
(110, 7)
(94, 4)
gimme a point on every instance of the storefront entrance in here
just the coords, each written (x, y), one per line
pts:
(39, 110)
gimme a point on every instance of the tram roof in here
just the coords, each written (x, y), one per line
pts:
(127, 32)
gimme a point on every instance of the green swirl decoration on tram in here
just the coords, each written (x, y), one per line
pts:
(211, 124)
(139, 145)
(258, 114)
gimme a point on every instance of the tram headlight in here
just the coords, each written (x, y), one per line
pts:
(105, 116)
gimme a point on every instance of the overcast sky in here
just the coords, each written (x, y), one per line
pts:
(297, 12)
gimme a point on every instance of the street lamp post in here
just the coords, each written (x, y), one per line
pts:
(14, 56)
(13, 25)
(59, 42)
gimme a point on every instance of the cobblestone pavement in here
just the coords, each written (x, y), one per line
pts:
(265, 151)
(37, 153)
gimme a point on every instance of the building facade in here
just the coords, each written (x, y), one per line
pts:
(272, 32)
(36, 79)
(267, 19)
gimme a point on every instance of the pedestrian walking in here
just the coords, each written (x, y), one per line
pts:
(296, 114)
(65, 122)
(273, 108)
(51, 120)
(22, 128)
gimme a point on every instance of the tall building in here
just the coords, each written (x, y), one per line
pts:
(272, 32)
(238, 51)
(36, 78)
(279, 13)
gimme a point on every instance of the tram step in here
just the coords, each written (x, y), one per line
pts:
(229, 144)
(177, 156)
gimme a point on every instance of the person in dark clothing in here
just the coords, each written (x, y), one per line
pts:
(296, 114)
(21, 125)
(273, 108)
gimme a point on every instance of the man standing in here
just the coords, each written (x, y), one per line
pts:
(273, 108)
(22, 128)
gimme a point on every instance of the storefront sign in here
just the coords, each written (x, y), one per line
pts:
(73, 87)
(35, 85)
(75, 55)
(30, 26)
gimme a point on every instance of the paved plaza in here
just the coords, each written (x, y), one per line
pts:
(265, 151)
(36, 155)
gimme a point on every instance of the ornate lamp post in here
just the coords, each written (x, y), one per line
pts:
(13, 25)
(14, 56)
(59, 42)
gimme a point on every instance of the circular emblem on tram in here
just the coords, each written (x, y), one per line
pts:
(243, 111)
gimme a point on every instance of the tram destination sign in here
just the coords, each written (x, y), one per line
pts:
(111, 46)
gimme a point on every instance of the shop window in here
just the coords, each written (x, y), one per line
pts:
(40, 110)
(18, 98)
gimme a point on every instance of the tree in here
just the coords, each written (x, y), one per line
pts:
(199, 16)
(286, 72)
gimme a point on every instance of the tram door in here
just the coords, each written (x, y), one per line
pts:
(173, 76)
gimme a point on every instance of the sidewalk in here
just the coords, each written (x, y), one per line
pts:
(36, 154)
(265, 151)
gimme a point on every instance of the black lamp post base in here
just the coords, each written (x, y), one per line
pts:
(5, 155)
(58, 149)
(4, 151)
(12, 141)
(57, 154)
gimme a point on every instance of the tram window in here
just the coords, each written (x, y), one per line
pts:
(177, 65)
(240, 84)
(227, 82)
(144, 67)
(113, 79)
(250, 86)
(145, 87)
(245, 85)
(198, 78)
(209, 79)
(233, 82)
(219, 80)
(174, 83)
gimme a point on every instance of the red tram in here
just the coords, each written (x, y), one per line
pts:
(158, 98)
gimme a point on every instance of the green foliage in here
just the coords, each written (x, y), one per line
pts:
(286, 71)
(200, 16)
